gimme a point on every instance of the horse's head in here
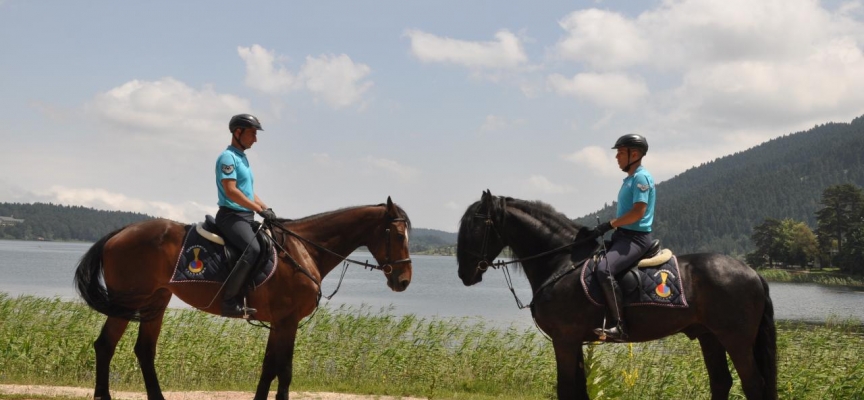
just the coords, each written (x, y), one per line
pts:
(479, 240)
(388, 243)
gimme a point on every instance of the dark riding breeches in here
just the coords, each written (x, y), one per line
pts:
(237, 229)
(627, 246)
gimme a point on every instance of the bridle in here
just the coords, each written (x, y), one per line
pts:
(387, 267)
(484, 263)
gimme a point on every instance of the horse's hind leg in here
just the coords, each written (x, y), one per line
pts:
(718, 371)
(145, 346)
(104, 347)
(751, 378)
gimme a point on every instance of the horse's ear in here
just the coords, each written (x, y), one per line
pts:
(391, 209)
(486, 196)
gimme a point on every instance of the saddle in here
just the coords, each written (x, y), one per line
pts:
(654, 279)
(210, 231)
(205, 257)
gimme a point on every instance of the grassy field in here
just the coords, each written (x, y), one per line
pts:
(822, 277)
(46, 341)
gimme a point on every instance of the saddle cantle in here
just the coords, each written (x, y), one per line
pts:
(205, 258)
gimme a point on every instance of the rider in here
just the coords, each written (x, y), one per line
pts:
(632, 224)
(237, 202)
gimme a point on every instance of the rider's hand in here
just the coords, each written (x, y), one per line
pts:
(601, 229)
(268, 215)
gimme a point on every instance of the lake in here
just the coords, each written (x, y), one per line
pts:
(45, 269)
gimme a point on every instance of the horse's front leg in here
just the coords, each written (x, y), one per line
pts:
(277, 359)
(571, 369)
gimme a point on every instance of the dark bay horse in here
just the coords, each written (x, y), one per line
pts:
(136, 264)
(730, 311)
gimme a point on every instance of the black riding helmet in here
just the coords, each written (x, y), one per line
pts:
(632, 141)
(244, 121)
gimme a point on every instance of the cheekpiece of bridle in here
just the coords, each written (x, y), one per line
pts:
(484, 263)
(388, 263)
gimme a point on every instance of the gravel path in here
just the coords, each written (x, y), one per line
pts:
(66, 392)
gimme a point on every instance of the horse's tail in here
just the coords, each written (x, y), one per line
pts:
(765, 350)
(90, 285)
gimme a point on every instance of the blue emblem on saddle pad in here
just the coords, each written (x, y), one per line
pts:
(204, 261)
(651, 286)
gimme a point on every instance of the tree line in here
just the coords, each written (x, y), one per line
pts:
(47, 221)
(837, 241)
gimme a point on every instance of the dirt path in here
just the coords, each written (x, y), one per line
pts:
(75, 392)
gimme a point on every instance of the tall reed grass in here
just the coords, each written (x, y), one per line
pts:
(360, 350)
(779, 275)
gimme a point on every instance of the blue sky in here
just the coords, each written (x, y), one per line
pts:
(124, 105)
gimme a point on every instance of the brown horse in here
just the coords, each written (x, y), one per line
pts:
(137, 262)
(729, 310)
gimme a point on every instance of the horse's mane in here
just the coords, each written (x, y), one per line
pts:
(327, 214)
(550, 223)
(547, 220)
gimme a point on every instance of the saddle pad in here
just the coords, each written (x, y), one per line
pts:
(652, 286)
(203, 261)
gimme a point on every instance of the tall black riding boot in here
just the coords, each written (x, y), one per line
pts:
(614, 298)
(230, 306)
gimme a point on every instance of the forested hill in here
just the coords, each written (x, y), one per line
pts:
(714, 207)
(58, 222)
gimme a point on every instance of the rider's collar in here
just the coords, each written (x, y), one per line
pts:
(236, 151)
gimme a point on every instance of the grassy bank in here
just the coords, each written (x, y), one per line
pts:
(823, 277)
(45, 341)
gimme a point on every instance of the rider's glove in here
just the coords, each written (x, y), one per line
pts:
(269, 216)
(601, 229)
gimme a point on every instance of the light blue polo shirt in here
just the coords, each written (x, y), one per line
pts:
(233, 164)
(638, 188)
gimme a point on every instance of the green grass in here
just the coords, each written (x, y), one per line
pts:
(820, 277)
(47, 341)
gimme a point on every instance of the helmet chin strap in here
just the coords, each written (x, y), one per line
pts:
(239, 143)
(629, 163)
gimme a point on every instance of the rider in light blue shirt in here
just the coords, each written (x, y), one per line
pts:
(233, 164)
(632, 224)
(237, 205)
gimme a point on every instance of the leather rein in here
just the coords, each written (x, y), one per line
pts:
(484, 263)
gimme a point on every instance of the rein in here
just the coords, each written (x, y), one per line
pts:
(484, 264)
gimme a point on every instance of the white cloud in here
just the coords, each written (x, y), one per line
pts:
(335, 79)
(452, 205)
(597, 159)
(263, 74)
(494, 123)
(730, 67)
(393, 167)
(545, 186)
(505, 52)
(160, 110)
(602, 39)
(607, 90)
(106, 200)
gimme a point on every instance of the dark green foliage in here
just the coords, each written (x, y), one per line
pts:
(841, 226)
(421, 240)
(714, 207)
(57, 222)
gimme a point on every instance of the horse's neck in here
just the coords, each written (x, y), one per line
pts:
(339, 232)
(525, 240)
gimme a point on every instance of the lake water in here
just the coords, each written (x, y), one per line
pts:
(46, 268)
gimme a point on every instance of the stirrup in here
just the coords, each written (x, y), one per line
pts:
(616, 333)
(237, 310)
